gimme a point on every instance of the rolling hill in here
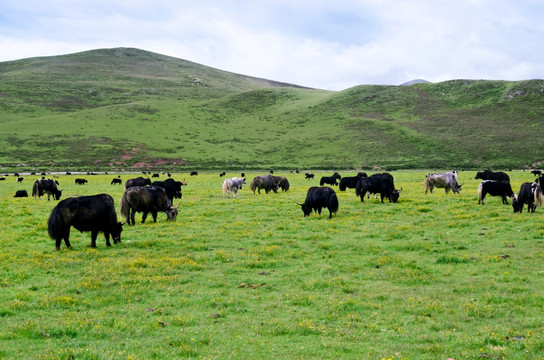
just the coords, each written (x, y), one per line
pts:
(123, 108)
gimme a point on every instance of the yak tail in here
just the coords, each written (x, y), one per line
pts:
(538, 196)
(333, 203)
(427, 184)
(35, 190)
(55, 224)
(225, 188)
(124, 207)
(252, 185)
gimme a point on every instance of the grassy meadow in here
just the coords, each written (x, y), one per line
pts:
(431, 277)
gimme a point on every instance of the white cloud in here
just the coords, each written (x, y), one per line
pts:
(321, 44)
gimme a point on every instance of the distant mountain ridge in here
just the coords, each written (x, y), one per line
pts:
(124, 108)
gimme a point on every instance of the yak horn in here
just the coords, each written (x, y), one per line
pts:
(124, 222)
(300, 204)
(178, 205)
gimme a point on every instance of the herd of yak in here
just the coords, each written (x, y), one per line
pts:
(96, 213)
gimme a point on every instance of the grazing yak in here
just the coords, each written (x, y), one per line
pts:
(530, 193)
(80, 181)
(331, 180)
(309, 176)
(232, 185)
(448, 181)
(500, 188)
(318, 198)
(282, 182)
(490, 175)
(48, 186)
(350, 181)
(265, 182)
(172, 187)
(139, 181)
(116, 181)
(382, 184)
(146, 200)
(95, 213)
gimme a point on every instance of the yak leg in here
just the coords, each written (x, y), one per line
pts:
(66, 237)
(504, 201)
(154, 214)
(57, 242)
(107, 236)
(363, 196)
(132, 214)
(94, 235)
(144, 216)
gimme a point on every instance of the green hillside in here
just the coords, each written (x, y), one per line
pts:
(126, 109)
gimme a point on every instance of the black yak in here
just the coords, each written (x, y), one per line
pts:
(48, 186)
(146, 200)
(318, 198)
(530, 193)
(172, 187)
(95, 213)
(331, 180)
(21, 193)
(265, 182)
(495, 188)
(350, 181)
(490, 175)
(282, 182)
(382, 184)
(139, 181)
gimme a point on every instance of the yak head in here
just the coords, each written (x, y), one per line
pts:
(172, 212)
(57, 194)
(515, 203)
(116, 231)
(305, 209)
(457, 188)
(395, 195)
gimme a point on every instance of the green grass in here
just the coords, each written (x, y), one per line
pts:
(116, 109)
(431, 277)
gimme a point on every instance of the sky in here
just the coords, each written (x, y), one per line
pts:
(329, 45)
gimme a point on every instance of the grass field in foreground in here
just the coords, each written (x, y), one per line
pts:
(431, 277)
